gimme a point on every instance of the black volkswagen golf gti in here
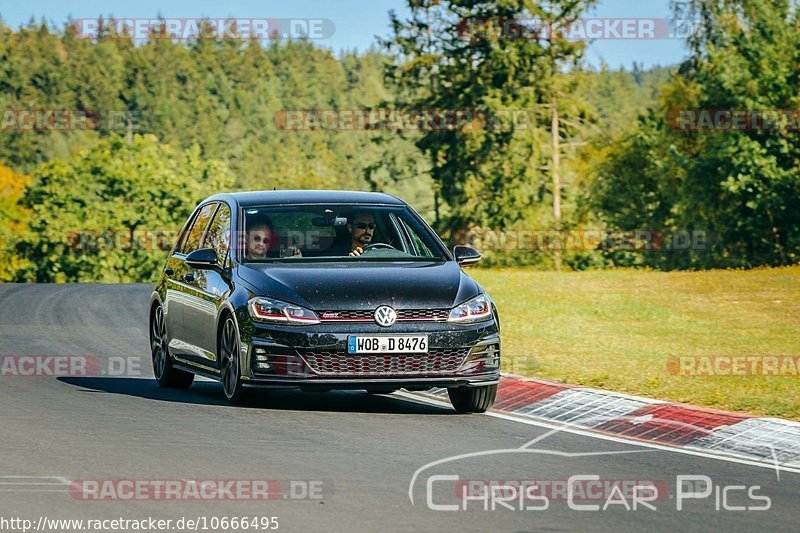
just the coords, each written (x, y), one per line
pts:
(322, 290)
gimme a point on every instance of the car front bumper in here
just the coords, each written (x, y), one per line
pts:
(315, 357)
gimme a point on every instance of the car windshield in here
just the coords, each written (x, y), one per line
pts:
(336, 233)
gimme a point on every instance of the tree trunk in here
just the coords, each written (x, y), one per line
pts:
(556, 170)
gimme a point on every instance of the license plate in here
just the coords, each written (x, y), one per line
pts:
(385, 344)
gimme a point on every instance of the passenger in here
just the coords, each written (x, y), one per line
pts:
(262, 241)
(260, 237)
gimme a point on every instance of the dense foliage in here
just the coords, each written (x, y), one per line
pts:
(174, 121)
(741, 186)
(106, 215)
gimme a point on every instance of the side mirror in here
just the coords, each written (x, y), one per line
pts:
(203, 259)
(466, 256)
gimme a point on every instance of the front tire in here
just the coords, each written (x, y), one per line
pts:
(472, 399)
(230, 363)
(166, 375)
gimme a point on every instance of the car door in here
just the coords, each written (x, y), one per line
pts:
(183, 297)
(210, 287)
(174, 269)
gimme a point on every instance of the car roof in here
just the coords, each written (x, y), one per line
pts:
(257, 198)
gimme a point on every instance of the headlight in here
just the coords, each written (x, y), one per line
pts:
(270, 310)
(474, 310)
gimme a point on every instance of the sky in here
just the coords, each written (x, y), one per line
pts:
(356, 22)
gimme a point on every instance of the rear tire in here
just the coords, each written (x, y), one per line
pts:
(166, 375)
(472, 399)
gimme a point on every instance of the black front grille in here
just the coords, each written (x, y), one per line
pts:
(345, 316)
(423, 314)
(407, 315)
(439, 361)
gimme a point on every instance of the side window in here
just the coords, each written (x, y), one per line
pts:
(182, 235)
(192, 241)
(218, 235)
(418, 247)
(422, 248)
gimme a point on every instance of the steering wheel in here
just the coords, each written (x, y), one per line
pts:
(377, 246)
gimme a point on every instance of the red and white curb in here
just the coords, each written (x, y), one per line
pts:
(768, 440)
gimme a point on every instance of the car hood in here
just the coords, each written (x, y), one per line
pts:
(362, 285)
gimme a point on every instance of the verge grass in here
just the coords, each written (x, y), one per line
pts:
(617, 329)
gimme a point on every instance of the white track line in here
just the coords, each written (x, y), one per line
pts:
(602, 436)
(7, 485)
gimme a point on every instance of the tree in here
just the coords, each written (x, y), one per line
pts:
(739, 186)
(108, 213)
(467, 55)
(13, 221)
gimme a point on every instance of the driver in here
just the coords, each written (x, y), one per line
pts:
(362, 230)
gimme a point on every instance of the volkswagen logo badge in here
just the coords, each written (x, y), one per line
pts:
(385, 316)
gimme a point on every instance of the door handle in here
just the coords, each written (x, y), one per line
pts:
(169, 272)
(188, 278)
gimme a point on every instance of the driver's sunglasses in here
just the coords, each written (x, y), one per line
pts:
(364, 225)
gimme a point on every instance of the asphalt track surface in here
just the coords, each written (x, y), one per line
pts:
(362, 450)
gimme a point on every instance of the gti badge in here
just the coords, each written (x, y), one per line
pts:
(385, 316)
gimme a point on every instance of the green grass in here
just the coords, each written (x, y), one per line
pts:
(616, 329)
